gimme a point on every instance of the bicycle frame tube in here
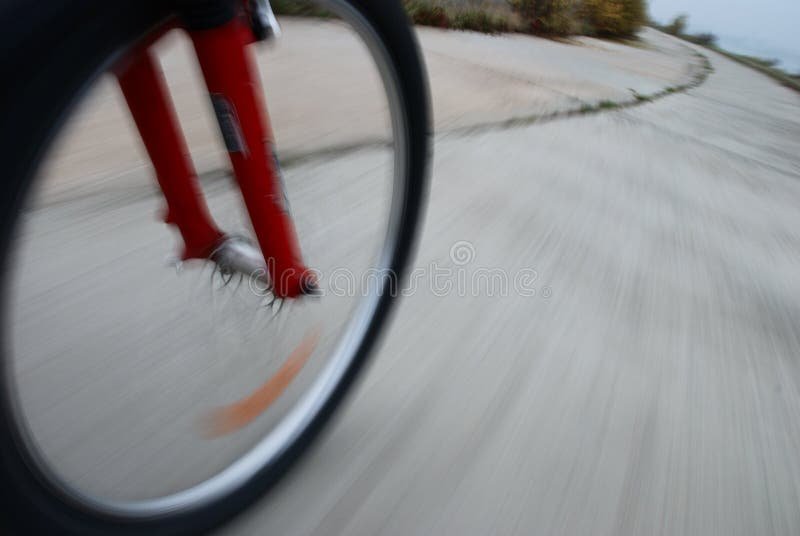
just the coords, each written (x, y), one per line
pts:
(232, 81)
(231, 78)
(143, 86)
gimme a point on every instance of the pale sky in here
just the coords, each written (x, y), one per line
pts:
(768, 28)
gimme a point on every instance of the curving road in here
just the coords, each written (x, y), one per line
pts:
(652, 383)
(612, 346)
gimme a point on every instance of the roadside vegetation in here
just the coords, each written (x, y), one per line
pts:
(770, 67)
(603, 18)
(301, 8)
(462, 16)
(619, 19)
(607, 18)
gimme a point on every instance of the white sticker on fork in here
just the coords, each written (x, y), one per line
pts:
(284, 201)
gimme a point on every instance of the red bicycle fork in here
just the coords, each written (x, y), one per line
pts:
(231, 78)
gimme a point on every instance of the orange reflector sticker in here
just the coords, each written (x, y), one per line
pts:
(228, 419)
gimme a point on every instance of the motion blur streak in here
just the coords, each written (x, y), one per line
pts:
(233, 417)
(655, 392)
(650, 384)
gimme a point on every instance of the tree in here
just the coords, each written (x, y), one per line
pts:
(678, 25)
(555, 17)
(614, 18)
(706, 39)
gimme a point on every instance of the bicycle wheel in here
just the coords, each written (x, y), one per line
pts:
(113, 364)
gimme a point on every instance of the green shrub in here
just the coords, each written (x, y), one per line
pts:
(677, 26)
(763, 62)
(427, 13)
(550, 17)
(706, 39)
(479, 21)
(298, 8)
(613, 18)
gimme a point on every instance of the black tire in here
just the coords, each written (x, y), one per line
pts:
(51, 52)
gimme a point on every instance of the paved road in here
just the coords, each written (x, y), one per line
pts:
(650, 385)
(656, 391)
(318, 77)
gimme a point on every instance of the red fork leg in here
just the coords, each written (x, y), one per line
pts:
(143, 85)
(232, 81)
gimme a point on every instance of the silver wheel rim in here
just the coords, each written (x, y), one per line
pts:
(291, 427)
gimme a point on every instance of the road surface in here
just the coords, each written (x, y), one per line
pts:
(638, 374)
(656, 391)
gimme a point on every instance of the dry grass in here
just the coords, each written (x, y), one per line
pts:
(605, 18)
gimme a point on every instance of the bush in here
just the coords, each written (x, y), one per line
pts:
(613, 18)
(706, 39)
(479, 21)
(551, 17)
(677, 26)
(763, 62)
(427, 14)
(298, 8)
